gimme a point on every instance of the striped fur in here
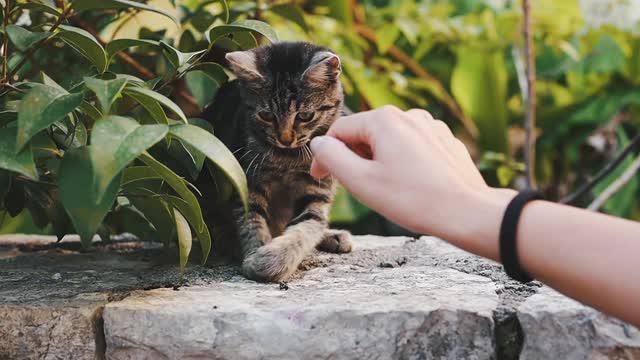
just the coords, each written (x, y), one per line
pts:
(288, 209)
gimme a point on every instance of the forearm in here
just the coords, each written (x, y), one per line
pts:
(591, 257)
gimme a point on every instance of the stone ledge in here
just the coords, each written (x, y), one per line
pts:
(332, 312)
(556, 326)
(392, 297)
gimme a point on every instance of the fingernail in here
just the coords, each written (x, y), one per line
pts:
(317, 141)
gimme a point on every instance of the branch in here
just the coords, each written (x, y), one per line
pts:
(40, 43)
(615, 186)
(602, 174)
(124, 22)
(5, 45)
(419, 71)
(530, 126)
(141, 69)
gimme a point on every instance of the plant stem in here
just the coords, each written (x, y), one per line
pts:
(602, 174)
(144, 71)
(40, 43)
(615, 186)
(5, 46)
(447, 100)
(258, 10)
(530, 126)
(124, 22)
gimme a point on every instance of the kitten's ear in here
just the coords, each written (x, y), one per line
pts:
(243, 64)
(324, 70)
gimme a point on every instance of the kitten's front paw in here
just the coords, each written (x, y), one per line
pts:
(270, 263)
(336, 241)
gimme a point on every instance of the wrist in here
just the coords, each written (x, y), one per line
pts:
(479, 228)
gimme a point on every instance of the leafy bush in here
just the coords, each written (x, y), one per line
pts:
(100, 139)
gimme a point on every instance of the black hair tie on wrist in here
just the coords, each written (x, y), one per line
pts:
(509, 232)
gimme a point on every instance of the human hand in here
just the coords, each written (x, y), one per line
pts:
(411, 169)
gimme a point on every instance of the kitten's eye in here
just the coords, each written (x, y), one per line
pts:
(305, 115)
(267, 116)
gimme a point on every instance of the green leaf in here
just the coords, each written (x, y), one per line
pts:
(150, 95)
(76, 182)
(156, 210)
(201, 11)
(7, 117)
(22, 162)
(118, 45)
(34, 6)
(346, 209)
(82, 5)
(85, 44)
(42, 106)
(606, 57)
(215, 151)
(107, 91)
(202, 233)
(242, 26)
(479, 84)
(341, 10)
(505, 175)
(184, 239)
(178, 184)
(187, 155)
(136, 173)
(387, 36)
(372, 86)
(178, 58)
(621, 203)
(115, 142)
(50, 82)
(90, 110)
(152, 106)
(24, 39)
(204, 80)
(292, 13)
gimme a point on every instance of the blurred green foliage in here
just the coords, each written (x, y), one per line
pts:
(460, 59)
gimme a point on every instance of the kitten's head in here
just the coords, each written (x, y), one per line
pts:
(293, 91)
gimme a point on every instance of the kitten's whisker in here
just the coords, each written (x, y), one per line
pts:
(238, 150)
(251, 163)
(263, 158)
(245, 154)
(307, 150)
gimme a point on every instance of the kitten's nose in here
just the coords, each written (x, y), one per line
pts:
(287, 138)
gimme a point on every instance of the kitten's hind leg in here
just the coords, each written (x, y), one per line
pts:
(336, 241)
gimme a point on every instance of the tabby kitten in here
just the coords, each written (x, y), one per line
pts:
(288, 93)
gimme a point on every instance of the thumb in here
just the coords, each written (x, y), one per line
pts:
(331, 156)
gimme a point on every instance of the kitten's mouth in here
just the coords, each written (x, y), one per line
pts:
(296, 146)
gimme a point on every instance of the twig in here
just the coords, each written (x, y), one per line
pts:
(40, 43)
(615, 186)
(5, 46)
(141, 69)
(530, 126)
(419, 71)
(602, 174)
(258, 15)
(10, 86)
(130, 16)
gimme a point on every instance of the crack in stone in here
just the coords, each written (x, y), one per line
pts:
(56, 318)
(98, 333)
